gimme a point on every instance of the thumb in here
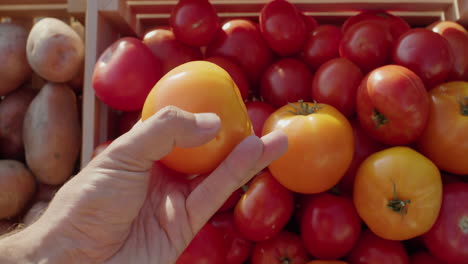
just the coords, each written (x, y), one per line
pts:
(154, 138)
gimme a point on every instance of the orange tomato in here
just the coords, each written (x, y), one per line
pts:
(327, 262)
(397, 193)
(445, 138)
(201, 86)
(320, 146)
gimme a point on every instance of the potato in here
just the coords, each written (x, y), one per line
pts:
(14, 67)
(54, 50)
(34, 213)
(52, 134)
(12, 111)
(17, 187)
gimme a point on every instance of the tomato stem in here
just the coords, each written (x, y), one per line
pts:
(378, 118)
(398, 205)
(285, 260)
(304, 108)
(463, 102)
(463, 224)
(245, 188)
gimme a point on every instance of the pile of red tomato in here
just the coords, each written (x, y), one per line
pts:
(376, 115)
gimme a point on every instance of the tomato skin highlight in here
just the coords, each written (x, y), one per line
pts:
(397, 193)
(312, 163)
(200, 87)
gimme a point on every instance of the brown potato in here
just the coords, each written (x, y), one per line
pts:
(52, 134)
(54, 50)
(17, 187)
(12, 111)
(14, 67)
(34, 213)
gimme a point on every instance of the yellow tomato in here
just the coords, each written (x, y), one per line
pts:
(201, 86)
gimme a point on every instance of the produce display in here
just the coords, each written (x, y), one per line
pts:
(41, 78)
(375, 110)
(376, 114)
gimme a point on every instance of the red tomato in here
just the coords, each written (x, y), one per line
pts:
(396, 25)
(194, 22)
(207, 247)
(426, 53)
(310, 22)
(424, 258)
(371, 249)
(126, 121)
(286, 247)
(258, 113)
(336, 83)
(330, 226)
(264, 209)
(125, 73)
(170, 52)
(367, 44)
(457, 38)
(253, 57)
(448, 237)
(285, 81)
(232, 200)
(236, 73)
(283, 27)
(363, 147)
(321, 46)
(238, 248)
(393, 105)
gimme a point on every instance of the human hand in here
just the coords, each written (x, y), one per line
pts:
(126, 208)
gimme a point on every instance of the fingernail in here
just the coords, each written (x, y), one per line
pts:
(207, 120)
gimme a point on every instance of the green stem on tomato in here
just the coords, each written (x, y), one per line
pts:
(463, 102)
(396, 204)
(463, 224)
(378, 118)
(304, 108)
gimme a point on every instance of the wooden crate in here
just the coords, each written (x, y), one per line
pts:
(26, 11)
(107, 20)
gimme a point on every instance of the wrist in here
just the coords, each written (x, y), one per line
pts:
(31, 245)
